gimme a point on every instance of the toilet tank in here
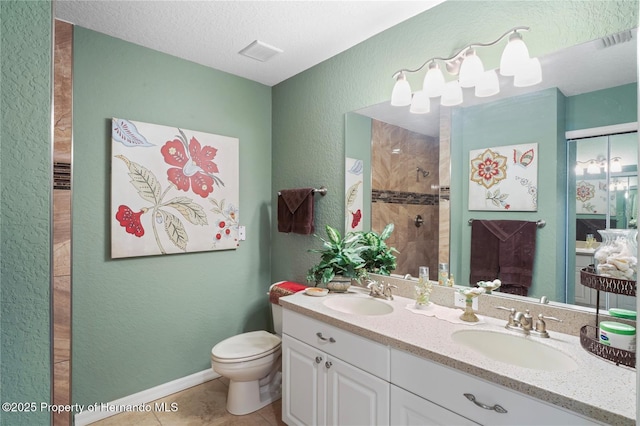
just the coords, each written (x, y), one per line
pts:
(276, 314)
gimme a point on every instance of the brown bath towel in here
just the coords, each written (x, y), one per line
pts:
(504, 249)
(295, 211)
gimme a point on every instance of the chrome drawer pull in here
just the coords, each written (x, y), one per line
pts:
(497, 408)
(318, 359)
(321, 337)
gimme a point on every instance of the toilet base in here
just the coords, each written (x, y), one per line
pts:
(247, 397)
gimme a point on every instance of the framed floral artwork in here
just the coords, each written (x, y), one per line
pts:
(353, 194)
(173, 190)
(504, 178)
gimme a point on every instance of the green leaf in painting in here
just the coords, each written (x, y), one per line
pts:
(175, 230)
(143, 180)
(193, 212)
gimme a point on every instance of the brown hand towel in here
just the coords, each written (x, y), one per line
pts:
(295, 211)
(506, 249)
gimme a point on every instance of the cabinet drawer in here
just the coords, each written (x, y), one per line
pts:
(446, 387)
(370, 356)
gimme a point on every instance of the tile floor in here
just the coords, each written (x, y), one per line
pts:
(200, 405)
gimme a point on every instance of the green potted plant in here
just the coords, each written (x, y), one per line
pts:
(378, 257)
(340, 260)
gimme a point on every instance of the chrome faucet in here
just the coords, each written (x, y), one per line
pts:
(518, 321)
(381, 290)
(523, 322)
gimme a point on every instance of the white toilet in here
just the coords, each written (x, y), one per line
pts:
(252, 363)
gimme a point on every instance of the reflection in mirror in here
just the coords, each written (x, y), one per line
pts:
(596, 86)
(604, 179)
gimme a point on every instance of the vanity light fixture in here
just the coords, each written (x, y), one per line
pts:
(470, 72)
(593, 168)
(598, 165)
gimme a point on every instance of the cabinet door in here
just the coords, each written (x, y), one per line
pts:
(408, 409)
(303, 383)
(355, 397)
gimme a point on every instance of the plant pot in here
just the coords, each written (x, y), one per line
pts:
(339, 284)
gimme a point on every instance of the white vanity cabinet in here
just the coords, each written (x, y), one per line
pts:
(321, 386)
(408, 409)
(445, 387)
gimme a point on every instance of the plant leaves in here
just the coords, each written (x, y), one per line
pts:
(386, 233)
(191, 211)
(175, 230)
(334, 235)
(143, 180)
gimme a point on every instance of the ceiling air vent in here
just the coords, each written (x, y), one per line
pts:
(260, 51)
(612, 40)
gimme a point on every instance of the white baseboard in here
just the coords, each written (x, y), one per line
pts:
(94, 412)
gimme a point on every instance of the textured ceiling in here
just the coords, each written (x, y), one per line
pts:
(212, 32)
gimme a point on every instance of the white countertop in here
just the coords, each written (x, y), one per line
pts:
(597, 388)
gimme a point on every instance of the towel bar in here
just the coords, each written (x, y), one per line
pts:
(539, 223)
(323, 190)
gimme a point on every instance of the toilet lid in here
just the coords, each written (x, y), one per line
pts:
(246, 346)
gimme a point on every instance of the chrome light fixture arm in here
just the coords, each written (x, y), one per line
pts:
(455, 56)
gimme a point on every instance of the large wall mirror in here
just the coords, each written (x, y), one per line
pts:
(415, 169)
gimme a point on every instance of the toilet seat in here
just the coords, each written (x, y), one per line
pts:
(245, 347)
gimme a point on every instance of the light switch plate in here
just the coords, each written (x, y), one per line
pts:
(459, 300)
(242, 233)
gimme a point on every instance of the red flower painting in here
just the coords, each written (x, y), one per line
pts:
(130, 220)
(194, 168)
(168, 194)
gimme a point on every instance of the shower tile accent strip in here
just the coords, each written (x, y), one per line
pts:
(400, 197)
(61, 176)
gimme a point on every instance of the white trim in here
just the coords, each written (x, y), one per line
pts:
(601, 131)
(93, 414)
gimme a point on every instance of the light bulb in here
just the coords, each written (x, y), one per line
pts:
(401, 94)
(514, 54)
(528, 74)
(593, 168)
(487, 84)
(434, 81)
(452, 94)
(616, 166)
(471, 69)
(579, 170)
(420, 103)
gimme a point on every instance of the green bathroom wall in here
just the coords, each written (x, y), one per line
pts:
(141, 322)
(25, 208)
(309, 109)
(605, 107)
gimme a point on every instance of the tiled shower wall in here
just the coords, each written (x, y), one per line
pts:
(62, 221)
(400, 193)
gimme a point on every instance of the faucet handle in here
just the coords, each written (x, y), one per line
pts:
(512, 315)
(541, 326)
(544, 317)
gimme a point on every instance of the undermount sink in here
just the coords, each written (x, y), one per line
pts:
(516, 350)
(358, 305)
